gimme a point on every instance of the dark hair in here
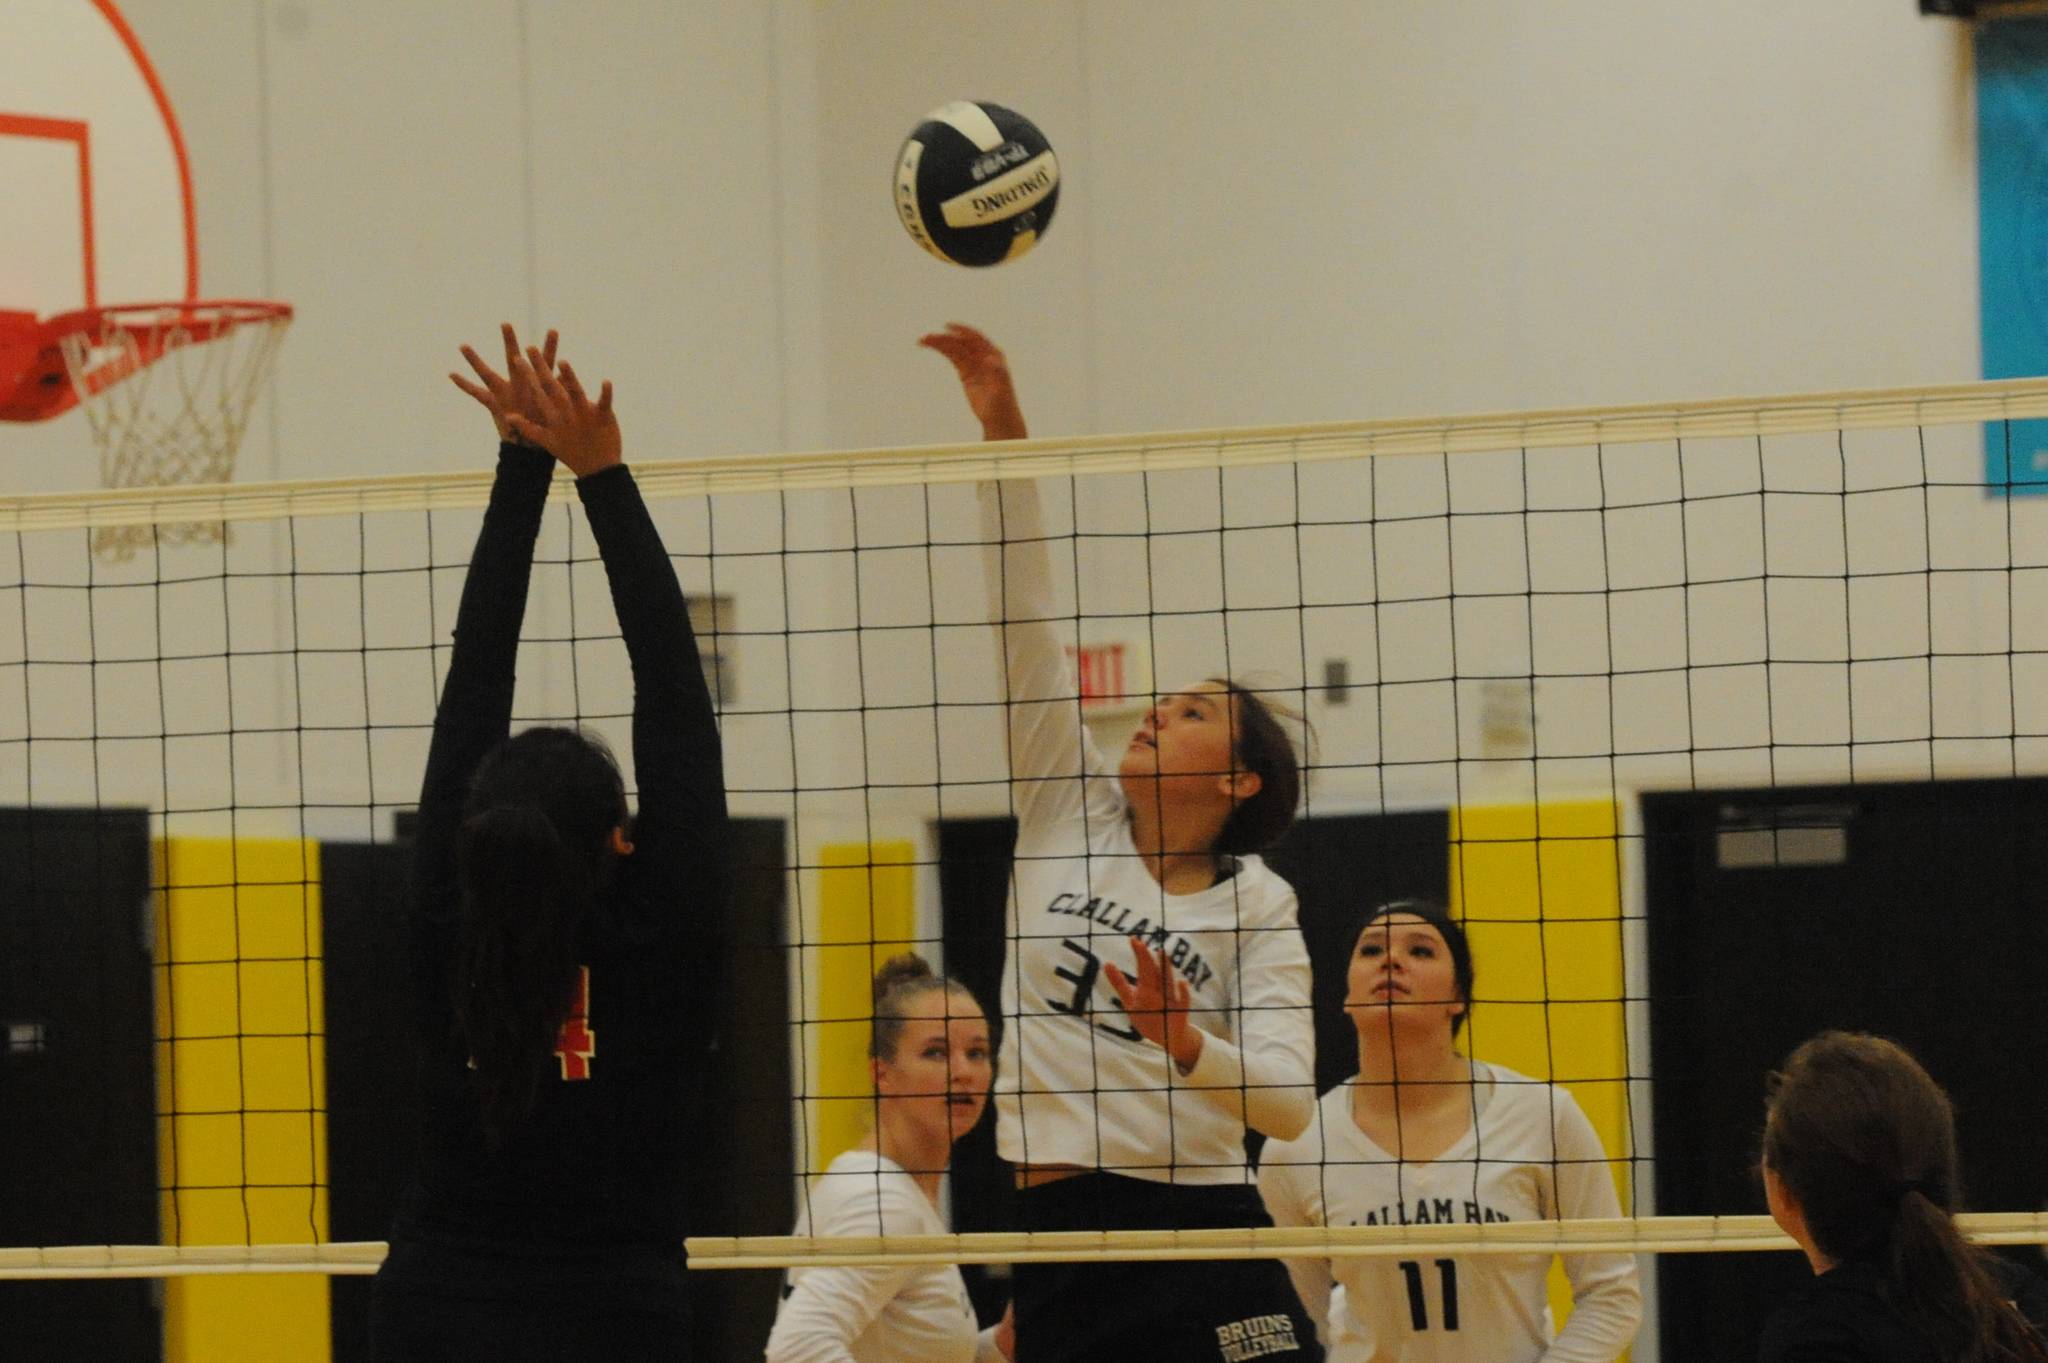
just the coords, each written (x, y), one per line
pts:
(1438, 917)
(902, 978)
(1259, 743)
(1865, 1141)
(535, 851)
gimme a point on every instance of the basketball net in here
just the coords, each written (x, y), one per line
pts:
(167, 389)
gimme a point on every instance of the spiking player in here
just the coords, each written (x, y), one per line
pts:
(1424, 1135)
(1157, 995)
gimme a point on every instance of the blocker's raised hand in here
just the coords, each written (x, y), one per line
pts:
(506, 395)
(984, 376)
(583, 435)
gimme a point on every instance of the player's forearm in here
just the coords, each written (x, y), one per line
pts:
(475, 710)
(1272, 1092)
(493, 603)
(1019, 565)
(1607, 1308)
(676, 747)
(1004, 420)
(828, 1309)
(1312, 1282)
(1607, 1296)
(1270, 1065)
(803, 1344)
(1046, 736)
(653, 617)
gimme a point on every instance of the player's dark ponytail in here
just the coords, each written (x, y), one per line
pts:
(1261, 743)
(535, 852)
(1864, 1139)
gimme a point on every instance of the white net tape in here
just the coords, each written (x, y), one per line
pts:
(1630, 1235)
(1153, 452)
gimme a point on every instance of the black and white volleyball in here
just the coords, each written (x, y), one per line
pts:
(976, 183)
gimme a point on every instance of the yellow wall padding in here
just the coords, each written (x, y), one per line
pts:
(241, 1090)
(867, 912)
(1538, 888)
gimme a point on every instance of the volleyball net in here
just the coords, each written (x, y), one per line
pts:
(1590, 677)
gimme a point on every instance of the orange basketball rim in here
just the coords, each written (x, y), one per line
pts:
(48, 367)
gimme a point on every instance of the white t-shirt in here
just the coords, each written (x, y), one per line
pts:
(1530, 1155)
(914, 1314)
(1074, 1083)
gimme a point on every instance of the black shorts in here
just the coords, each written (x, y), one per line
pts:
(437, 1304)
(1190, 1311)
(415, 1325)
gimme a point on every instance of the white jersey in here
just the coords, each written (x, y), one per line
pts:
(1530, 1155)
(1075, 1084)
(917, 1314)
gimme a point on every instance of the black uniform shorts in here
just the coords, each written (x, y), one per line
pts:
(1189, 1311)
(414, 1325)
(438, 1304)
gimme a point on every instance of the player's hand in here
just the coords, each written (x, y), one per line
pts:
(984, 377)
(1006, 1332)
(1157, 1002)
(582, 434)
(506, 395)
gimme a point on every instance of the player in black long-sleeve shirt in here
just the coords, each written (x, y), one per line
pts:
(1860, 1168)
(563, 962)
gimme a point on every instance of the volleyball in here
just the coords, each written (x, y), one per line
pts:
(976, 183)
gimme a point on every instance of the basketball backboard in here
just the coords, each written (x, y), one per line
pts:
(95, 190)
(99, 268)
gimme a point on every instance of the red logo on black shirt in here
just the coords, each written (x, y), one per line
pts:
(578, 1039)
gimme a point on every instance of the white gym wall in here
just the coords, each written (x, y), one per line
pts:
(1272, 212)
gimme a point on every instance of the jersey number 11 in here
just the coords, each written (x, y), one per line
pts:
(1418, 1305)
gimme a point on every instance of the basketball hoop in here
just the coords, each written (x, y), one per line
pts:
(166, 388)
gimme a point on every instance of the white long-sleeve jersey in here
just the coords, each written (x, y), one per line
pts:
(1530, 1155)
(913, 1314)
(1075, 1084)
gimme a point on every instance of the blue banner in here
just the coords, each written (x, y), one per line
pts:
(2012, 218)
